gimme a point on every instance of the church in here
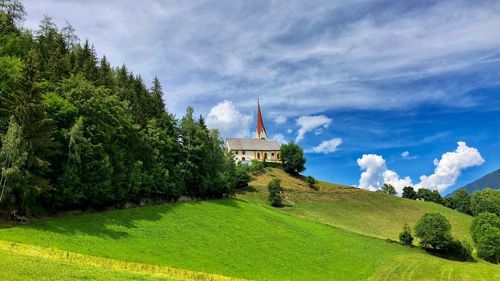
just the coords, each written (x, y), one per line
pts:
(259, 148)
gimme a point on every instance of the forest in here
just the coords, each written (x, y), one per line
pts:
(78, 133)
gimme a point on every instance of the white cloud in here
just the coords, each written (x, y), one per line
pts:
(327, 146)
(289, 131)
(229, 120)
(309, 123)
(279, 138)
(280, 120)
(450, 167)
(407, 155)
(447, 170)
(376, 174)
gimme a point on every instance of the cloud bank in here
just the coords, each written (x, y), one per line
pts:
(448, 169)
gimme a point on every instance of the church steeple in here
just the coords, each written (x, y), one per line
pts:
(260, 132)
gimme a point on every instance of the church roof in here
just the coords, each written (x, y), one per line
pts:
(252, 144)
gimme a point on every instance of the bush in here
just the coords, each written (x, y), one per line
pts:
(293, 158)
(487, 200)
(275, 193)
(257, 166)
(488, 246)
(485, 231)
(242, 176)
(481, 220)
(434, 231)
(409, 193)
(460, 250)
(311, 182)
(405, 237)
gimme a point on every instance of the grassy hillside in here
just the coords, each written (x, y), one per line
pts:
(354, 209)
(229, 237)
(242, 238)
(233, 238)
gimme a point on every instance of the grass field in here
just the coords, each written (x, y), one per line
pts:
(358, 210)
(241, 238)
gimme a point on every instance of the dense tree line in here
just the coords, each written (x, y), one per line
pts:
(76, 132)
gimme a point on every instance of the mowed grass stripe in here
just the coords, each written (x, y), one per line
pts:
(111, 264)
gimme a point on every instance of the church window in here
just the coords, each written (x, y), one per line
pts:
(236, 152)
(258, 155)
(278, 156)
(243, 159)
(265, 155)
(243, 152)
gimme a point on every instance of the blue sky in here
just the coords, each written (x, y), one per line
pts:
(401, 82)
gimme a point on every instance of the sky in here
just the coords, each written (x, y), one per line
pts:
(405, 92)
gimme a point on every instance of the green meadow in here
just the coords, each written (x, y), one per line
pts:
(243, 238)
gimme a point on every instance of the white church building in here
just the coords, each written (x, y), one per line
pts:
(259, 148)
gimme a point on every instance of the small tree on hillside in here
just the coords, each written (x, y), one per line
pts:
(434, 231)
(275, 193)
(311, 182)
(459, 201)
(405, 237)
(292, 157)
(429, 195)
(387, 189)
(409, 193)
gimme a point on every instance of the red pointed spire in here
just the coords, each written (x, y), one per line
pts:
(261, 130)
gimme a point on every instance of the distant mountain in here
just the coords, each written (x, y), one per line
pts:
(491, 180)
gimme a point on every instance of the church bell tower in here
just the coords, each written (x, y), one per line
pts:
(260, 132)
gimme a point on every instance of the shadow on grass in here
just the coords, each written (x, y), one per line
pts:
(113, 224)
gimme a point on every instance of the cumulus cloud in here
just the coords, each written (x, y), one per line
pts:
(230, 122)
(327, 146)
(310, 123)
(450, 167)
(376, 174)
(447, 170)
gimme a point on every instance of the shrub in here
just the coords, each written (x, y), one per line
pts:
(311, 182)
(460, 250)
(487, 200)
(429, 195)
(242, 176)
(257, 166)
(481, 220)
(485, 231)
(293, 158)
(405, 237)
(434, 231)
(409, 193)
(488, 246)
(275, 193)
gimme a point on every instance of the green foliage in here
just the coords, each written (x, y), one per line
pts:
(429, 195)
(275, 193)
(242, 175)
(487, 200)
(459, 250)
(460, 201)
(485, 231)
(292, 156)
(94, 136)
(387, 189)
(434, 231)
(405, 237)
(409, 193)
(311, 182)
(257, 166)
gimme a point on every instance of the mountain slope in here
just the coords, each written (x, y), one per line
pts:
(491, 180)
